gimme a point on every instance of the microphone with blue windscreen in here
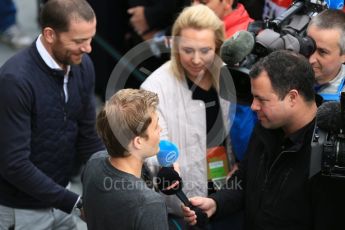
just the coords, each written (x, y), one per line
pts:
(168, 153)
(169, 181)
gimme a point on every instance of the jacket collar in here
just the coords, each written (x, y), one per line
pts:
(274, 138)
(56, 73)
(46, 56)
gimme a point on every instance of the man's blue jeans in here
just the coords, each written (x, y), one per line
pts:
(7, 14)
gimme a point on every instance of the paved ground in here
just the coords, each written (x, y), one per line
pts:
(27, 20)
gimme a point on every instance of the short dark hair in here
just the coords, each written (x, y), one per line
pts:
(287, 70)
(126, 114)
(58, 14)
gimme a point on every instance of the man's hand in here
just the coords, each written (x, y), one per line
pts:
(138, 19)
(208, 205)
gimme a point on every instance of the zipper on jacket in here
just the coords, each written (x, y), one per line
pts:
(272, 165)
(62, 94)
(282, 185)
(269, 172)
(266, 180)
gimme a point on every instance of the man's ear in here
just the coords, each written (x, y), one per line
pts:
(49, 35)
(293, 97)
(137, 142)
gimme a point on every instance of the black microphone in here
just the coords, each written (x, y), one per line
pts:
(328, 117)
(328, 121)
(169, 183)
(236, 48)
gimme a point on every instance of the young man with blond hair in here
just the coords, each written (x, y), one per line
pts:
(114, 194)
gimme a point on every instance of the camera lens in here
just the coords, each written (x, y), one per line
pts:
(307, 46)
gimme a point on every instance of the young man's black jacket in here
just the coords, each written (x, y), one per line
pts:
(272, 186)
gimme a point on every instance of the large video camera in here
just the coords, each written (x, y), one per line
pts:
(288, 31)
(328, 142)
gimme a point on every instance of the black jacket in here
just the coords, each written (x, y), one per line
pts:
(272, 186)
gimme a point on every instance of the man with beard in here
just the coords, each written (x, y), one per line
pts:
(47, 120)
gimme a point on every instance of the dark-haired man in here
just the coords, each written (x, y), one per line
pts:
(272, 182)
(47, 119)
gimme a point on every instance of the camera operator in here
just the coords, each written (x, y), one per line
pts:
(327, 29)
(272, 182)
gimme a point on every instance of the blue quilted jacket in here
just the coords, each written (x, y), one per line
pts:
(41, 136)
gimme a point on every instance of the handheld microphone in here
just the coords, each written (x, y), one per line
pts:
(236, 48)
(168, 153)
(329, 116)
(168, 180)
(169, 183)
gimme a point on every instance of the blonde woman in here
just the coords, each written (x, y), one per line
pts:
(191, 112)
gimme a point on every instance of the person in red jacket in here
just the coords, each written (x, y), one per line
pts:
(233, 14)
